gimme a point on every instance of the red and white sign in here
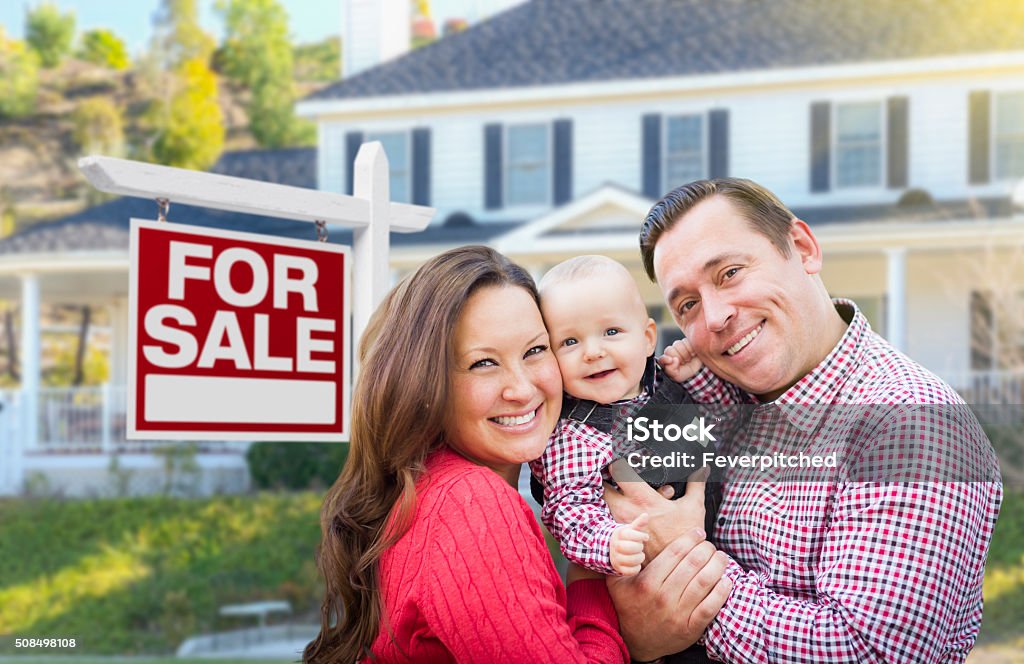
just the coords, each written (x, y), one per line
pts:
(236, 336)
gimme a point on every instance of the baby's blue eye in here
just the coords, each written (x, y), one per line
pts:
(571, 341)
(612, 331)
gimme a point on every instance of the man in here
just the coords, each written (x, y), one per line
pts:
(833, 570)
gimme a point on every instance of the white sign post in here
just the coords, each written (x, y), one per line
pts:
(238, 330)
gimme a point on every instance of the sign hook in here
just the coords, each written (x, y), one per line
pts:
(321, 230)
(163, 206)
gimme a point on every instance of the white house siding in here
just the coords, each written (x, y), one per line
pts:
(769, 138)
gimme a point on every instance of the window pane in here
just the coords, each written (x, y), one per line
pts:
(683, 168)
(859, 144)
(859, 122)
(1010, 113)
(527, 166)
(527, 185)
(1009, 135)
(684, 134)
(396, 146)
(527, 143)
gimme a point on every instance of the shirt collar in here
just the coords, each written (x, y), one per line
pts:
(805, 403)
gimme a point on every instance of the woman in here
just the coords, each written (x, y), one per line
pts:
(429, 553)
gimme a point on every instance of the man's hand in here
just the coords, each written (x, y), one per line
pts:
(668, 519)
(667, 606)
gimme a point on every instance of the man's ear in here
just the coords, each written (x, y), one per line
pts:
(807, 248)
(651, 335)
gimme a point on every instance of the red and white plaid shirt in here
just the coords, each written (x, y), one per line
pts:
(853, 571)
(572, 471)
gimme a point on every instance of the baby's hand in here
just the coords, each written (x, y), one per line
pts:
(628, 546)
(679, 361)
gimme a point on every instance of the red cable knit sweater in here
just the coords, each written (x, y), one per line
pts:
(472, 581)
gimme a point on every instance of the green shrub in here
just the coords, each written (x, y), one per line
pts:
(19, 77)
(295, 465)
(103, 47)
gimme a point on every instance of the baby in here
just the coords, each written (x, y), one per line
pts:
(603, 340)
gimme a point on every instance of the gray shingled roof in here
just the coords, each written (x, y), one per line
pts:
(105, 226)
(550, 42)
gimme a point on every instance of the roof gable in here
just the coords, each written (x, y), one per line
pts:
(552, 42)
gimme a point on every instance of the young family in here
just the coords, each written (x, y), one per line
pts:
(429, 554)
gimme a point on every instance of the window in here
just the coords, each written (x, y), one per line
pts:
(997, 330)
(1009, 135)
(858, 144)
(684, 150)
(396, 145)
(527, 165)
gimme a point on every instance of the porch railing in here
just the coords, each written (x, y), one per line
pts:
(93, 419)
(990, 387)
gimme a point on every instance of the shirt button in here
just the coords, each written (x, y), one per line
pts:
(751, 449)
(721, 520)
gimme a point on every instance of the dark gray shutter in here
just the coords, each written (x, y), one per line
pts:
(821, 144)
(899, 142)
(492, 166)
(421, 166)
(718, 139)
(562, 175)
(979, 137)
(353, 140)
(982, 332)
(652, 185)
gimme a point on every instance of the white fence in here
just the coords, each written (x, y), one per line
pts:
(10, 447)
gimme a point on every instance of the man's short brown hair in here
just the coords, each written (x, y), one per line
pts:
(762, 209)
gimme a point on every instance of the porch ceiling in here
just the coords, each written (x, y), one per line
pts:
(71, 286)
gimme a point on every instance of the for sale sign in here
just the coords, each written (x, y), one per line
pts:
(236, 336)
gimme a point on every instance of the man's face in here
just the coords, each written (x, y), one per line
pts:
(750, 313)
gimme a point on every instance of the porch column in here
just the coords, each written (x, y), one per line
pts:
(30, 328)
(896, 303)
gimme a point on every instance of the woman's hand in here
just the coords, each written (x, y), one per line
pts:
(667, 606)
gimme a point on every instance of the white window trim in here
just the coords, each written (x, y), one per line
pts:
(505, 170)
(407, 135)
(705, 144)
(883, 147)
(994, 137)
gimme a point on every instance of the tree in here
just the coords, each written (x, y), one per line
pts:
(257, 53)
(319, 61)
(177, 35)
(103, 47)
(98, 127)
(192, 125)
(49, 33)
(19, 77)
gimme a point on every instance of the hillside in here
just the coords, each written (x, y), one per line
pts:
(39, 178)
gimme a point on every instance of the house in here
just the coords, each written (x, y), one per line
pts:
(895, 128)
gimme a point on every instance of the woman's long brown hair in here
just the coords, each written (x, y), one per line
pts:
(398, 415)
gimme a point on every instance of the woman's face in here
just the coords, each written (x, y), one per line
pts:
(506, 391)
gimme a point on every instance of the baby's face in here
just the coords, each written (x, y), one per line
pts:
(601, 336)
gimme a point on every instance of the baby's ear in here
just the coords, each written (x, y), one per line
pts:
(651, 335)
